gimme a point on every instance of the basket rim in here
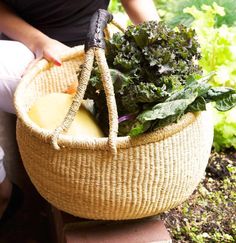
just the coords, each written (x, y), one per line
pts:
(88, 143)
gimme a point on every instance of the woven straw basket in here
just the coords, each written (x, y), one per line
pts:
(148, 175)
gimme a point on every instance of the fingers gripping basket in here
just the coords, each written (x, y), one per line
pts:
(108, 178)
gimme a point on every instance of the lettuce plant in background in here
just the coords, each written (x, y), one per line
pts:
(218, 48)
(172, 11)
(218, 44)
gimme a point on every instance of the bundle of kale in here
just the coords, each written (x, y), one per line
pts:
(156, 79)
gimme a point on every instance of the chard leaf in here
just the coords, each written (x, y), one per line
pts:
(225, 98)
(195, 88)
(207, 78)
(139, 128)
(226, 103)
(125, 127)
(166, 121)
(218, 93)
(166, 109)
(198, 105)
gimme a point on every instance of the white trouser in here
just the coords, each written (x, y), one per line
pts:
(14, 58)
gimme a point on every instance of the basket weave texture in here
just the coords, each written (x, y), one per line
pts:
(149, 174)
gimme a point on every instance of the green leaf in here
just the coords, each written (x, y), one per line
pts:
(166, 121)
(198, 105)
(166, 109)
(224, 129)
(226, 103)
(120, 80)
(139, 128)
(219, 93)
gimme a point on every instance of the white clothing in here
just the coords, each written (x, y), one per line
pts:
(14, 59)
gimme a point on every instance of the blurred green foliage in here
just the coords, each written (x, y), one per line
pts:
(218, 49)
(172, 11)
(115, 6)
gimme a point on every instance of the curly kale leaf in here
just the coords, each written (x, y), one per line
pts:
(136, 95)
(122, 54)
(147, 33)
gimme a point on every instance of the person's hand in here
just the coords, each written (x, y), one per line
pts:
(49, 49)
(40, 44)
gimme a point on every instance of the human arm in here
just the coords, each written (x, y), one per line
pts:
(140, 10)
(18, 29)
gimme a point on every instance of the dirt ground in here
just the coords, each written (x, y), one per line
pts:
(210, 214)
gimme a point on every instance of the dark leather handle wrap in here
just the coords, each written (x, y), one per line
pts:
(98, 22)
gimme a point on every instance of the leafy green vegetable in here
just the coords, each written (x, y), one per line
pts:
(192, 98)
(156, 78)
(218, 49)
